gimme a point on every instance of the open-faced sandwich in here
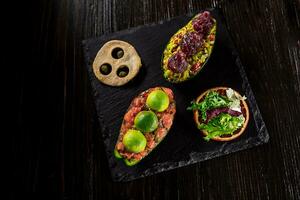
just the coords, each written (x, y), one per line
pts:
(189, 48)
(145, 124)
(220, 113)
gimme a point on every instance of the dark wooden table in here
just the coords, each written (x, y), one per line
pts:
(58, 151)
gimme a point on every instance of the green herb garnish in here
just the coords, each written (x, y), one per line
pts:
(223, 124)
(212, 100)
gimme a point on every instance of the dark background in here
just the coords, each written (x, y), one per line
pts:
(57, 149)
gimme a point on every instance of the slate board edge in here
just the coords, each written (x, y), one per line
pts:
(246, 86)
(263, 133)
(263, 136)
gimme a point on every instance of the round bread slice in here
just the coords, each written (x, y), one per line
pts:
(129, 60)
(244, 109)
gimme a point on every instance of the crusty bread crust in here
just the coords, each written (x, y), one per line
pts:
(245, 113)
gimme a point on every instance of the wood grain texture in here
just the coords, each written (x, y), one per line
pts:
(58, 152)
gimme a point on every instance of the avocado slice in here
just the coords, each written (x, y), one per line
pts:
(117, 154)
(131, 162)
(126, 161)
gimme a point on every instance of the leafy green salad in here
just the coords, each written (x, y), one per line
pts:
(219, 114)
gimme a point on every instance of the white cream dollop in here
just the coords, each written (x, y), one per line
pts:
(235, 104)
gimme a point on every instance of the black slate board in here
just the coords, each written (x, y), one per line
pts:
(184, 144)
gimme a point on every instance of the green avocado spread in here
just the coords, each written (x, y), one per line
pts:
(196, 61)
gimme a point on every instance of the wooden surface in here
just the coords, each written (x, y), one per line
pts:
(57, 149)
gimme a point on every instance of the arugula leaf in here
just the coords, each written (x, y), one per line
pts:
(223, 124)
(212, 100)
